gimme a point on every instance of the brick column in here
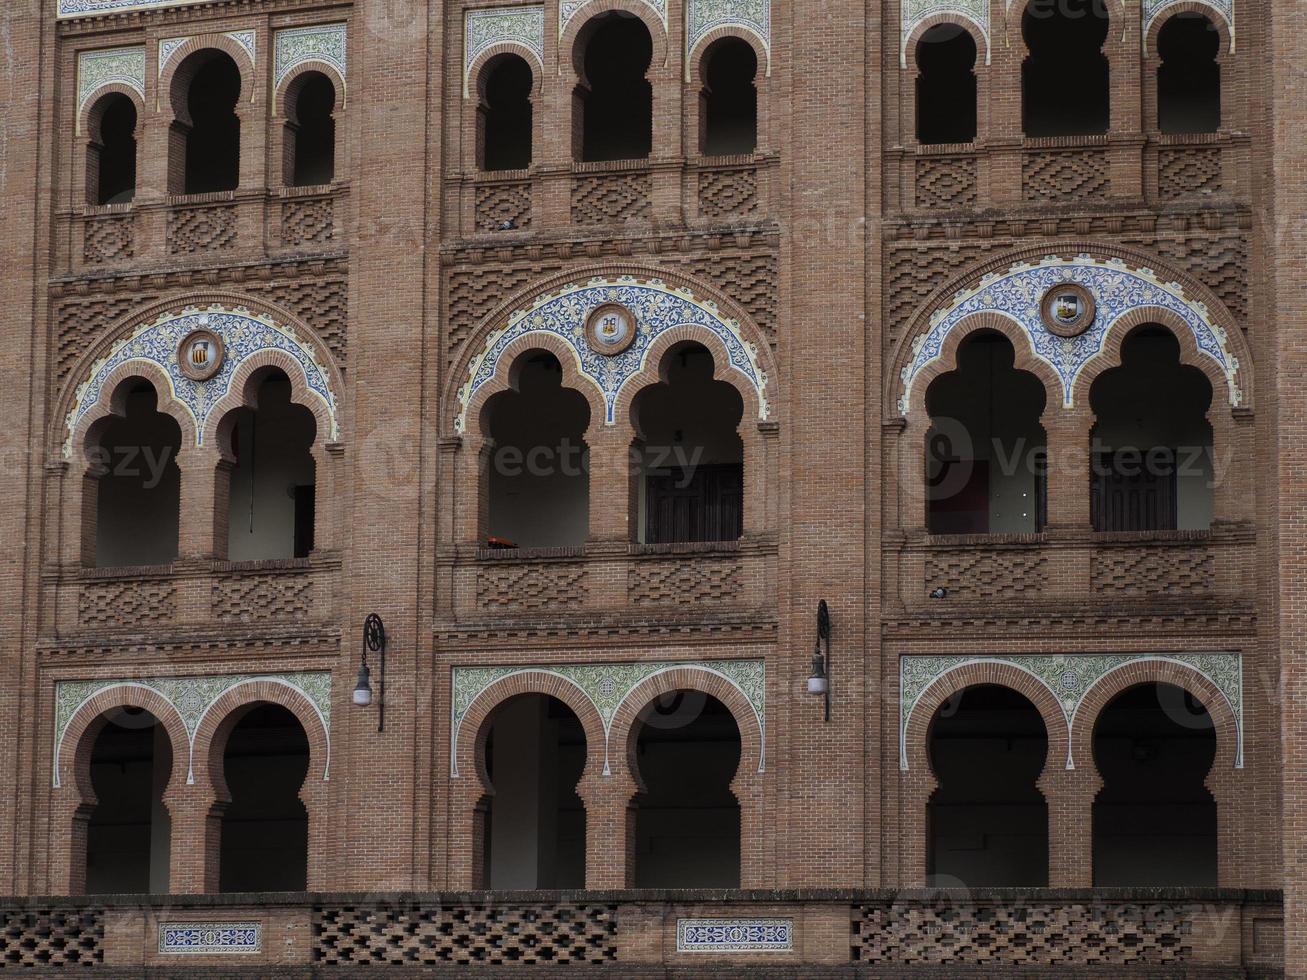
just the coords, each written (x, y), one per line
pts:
(1070, 794)
(606, 799)
(203, 510)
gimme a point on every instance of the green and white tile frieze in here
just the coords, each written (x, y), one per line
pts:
(326, 43)
(522, 27)
(1069, 678)
(1153, 9)
(915, 12)
(169, 46)
(109, 66)
(568, 9)
(705, 16)
(192, 697)
(607, 686)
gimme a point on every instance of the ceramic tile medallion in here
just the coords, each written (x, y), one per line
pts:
(702, 17)
(914, 13)
(735, 935)
(191, 697)
(1115, 290)
(656, 308)
(607, 686)
(1070, 678)
(242, 334)
(210, 937)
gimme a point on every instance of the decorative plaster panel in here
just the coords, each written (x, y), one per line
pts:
(1116, 288)
(210, 937)
(327, 43)
(568, 9)
(657, 308)
(108, 66)
(523, 27)
(243, 335)
(607, 686)
(735, 935)
(704, 16)
(1153, 9)
(192, 697)
(913, 13)
(1069, 678)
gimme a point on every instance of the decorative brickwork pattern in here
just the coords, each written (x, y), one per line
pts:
(685, 581)
(987, 575)
(134, 602)
(48, 938)
(80, 321)
(605, 199)
(495, 935)
(110, 239)
(322, 303)
(508, 201)
(308, 222)
(208, 229)
(1220, 262)
(1153, 571)
(1031, 933)
(1187, 171)
(1065, 175)
(946, 182)
(544, 585)
(728, 193)
(914, 272)
(255, 598)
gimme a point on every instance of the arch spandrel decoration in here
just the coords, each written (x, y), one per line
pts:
(914, 13)
(658, 308)
(1117, 289)
(520, 27)
(192, 697)
(607, 686)
(568, 9)
(247, 40)
(327, 43)
(1069, 678)
(702, 17)
(96, 70)
(1153, 9)
(243, 334)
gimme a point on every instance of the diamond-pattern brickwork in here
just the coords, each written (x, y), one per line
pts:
(131, 603)
(946, 182)
(531, 585)
(728, 193)
(110, 239)
(207, 229)
(1027, 933)
(1186, 171)
(309, 222)
(254, 598)
(605, 199)
(39, 938)
(685, 581)
(987, 575)
(1153, 571)
(498, 935)
(503, 202)
(1065, 175)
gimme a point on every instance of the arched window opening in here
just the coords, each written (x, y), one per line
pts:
(1154, 819)
(687, 820)
(271, 497)
(265, 828)
(538, 471)
(946, 85)
(138, 483)
(985, 451)
(1189, 78)
(310, 143)
(1065, 89)
(615, 103)
(729, 102)
(205, 150)
(690, 463)
(1153, 465)
(128, 838)
(988, 821)
(504, 115)
(111, 159)
(535, 821)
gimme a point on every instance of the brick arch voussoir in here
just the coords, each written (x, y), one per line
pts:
(477, 72)
(502, 380)
(652, 371)
(952, 18)
(1137, 673)
(698, 56)
(920, 722)
(571, 54)
(243, 393)
(177, 71)
(78, 742)
(469, 750)
(1209, 10)
(112, 403)
(295, 77)
(96, 102)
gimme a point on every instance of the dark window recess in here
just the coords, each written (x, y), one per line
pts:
(965, 511)
(304, 514)
(1126, 496)
(705, 505)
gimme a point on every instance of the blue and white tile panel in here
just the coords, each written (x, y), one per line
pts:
(735, 935)
(98, 69)
(913, 13)
(210, 937)
(1117, 289)
(92, 8)
(658, 308)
